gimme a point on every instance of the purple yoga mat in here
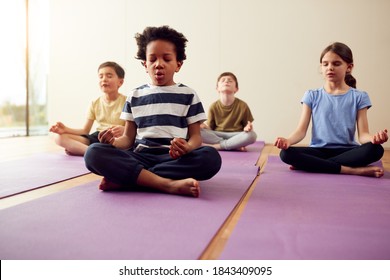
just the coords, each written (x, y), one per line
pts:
(298, 215)
(37, 171)
(85, 223)
(248, 158)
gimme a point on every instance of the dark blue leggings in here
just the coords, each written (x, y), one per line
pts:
(330, 160)
(124, 166)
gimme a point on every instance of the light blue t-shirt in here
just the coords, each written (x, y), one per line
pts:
(334, 116)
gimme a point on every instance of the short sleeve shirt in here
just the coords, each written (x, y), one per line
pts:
(232, 118)
(106, 114)
(162, 113)
(334, 116)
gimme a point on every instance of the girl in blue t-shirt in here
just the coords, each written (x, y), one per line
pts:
(335, 110)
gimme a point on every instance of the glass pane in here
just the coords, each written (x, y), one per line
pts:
(38, 44)
(13, 70)
(13, 93)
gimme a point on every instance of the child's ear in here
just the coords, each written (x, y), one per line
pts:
(179, 65)
(144, 65)
(349, 69)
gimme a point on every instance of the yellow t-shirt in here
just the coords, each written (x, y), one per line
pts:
(231, 118)
(106, 114)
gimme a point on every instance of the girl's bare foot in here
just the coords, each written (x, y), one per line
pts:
(189, 187)
(370, 171)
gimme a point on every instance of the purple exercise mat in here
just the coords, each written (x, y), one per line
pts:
(37, 171)
(248, 158)
(85, 223)
(298, 215)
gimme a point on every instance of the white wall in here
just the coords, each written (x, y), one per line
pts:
(272, 46)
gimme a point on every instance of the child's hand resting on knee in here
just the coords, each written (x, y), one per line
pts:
(380, 137)
(178, 148)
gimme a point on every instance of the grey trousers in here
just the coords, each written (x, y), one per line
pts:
(228, 140)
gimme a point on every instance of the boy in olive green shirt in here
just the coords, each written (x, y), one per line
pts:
(229, 124)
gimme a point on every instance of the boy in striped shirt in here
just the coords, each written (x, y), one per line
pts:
(161, 145)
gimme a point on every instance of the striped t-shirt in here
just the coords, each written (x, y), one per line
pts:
(162, 113)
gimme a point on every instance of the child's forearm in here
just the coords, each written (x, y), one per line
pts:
(76, 131)
(365, 138)
(296, 137)
(379, 137)
(123, 142)
(195, 142)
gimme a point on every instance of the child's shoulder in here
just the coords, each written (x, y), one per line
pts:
(144, 86)
(239, 101)
(358, 91)
(315, 91)
(175, 87)
(122, 97)
(97, 99)
(183, 87)
(180, 88)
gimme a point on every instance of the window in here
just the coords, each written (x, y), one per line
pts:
(24, 25)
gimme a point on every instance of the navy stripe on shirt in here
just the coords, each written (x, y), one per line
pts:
(175, 98)
(195, 109)
(161, 120)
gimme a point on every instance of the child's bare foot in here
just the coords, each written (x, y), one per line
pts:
(106, 185)
(189, 187)
(292, 167)
(370, 171)
(70, 153)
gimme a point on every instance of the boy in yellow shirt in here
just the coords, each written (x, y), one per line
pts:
(105, 110)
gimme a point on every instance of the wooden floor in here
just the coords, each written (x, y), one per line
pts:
(19, 147)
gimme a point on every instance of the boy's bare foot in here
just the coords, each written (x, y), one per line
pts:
(106, 185)
(188, 187)
(71, 154)
(370, 171)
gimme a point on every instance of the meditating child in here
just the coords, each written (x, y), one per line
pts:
(161, 146)
(229, 124)
(105, 110)
(335, 110)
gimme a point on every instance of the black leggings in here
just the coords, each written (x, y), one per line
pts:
(330, 160)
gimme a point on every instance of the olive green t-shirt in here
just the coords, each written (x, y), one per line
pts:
(231, 118)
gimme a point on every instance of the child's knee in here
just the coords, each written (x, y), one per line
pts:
(252, 136)
(60, 139)
(285, 156)
(92, 154)
(213, 160)
(378, 150)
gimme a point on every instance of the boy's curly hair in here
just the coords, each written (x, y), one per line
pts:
(161, 33)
